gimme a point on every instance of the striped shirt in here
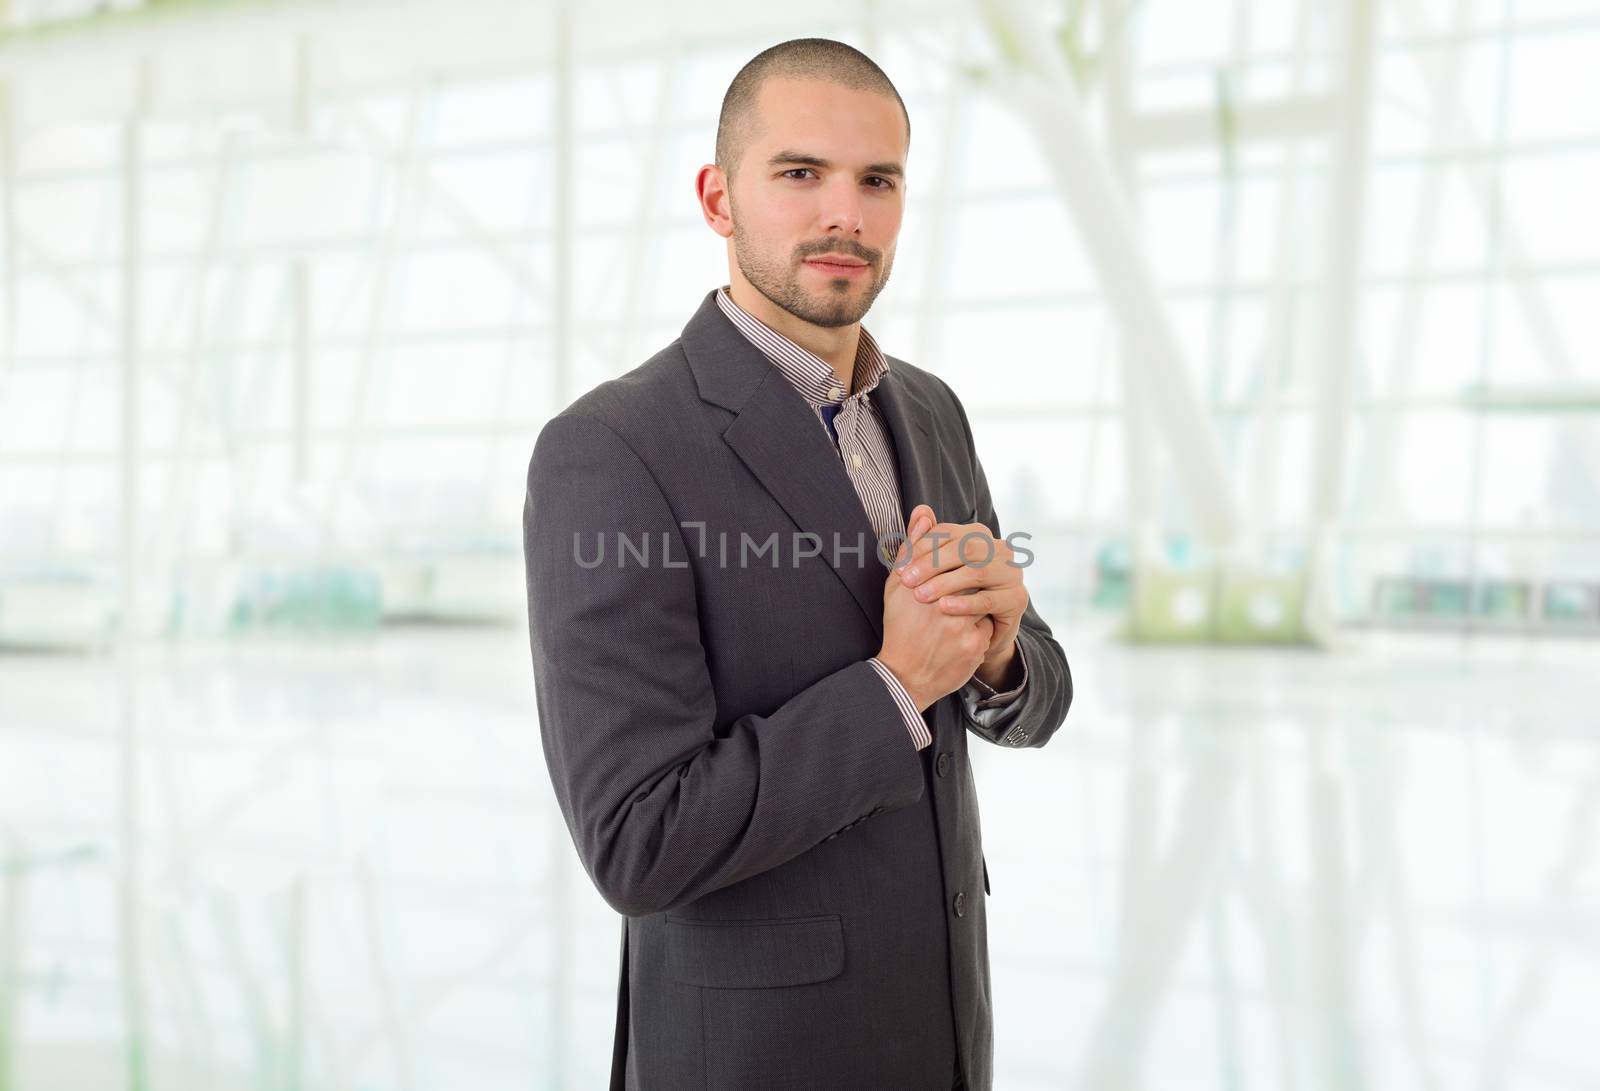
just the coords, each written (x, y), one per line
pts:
(861, 438)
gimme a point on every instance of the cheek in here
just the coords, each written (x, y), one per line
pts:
(779, 222)
(884, 223)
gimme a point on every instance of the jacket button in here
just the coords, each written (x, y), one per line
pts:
(942, 766)
(961, 903)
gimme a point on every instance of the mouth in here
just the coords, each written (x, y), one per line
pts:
(837, 265)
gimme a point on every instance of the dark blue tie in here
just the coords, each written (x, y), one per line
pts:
(828, 413)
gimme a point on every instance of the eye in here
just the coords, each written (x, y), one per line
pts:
(880, 178)
(795, 170)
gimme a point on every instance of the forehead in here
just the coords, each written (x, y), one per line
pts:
(819, 114)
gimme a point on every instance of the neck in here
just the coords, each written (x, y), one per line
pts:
(834, 344)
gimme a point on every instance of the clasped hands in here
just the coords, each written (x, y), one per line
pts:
(952, 604)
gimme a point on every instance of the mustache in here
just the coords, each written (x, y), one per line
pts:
(850, 249)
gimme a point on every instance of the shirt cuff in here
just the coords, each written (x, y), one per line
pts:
(920, 735)
(979, 696)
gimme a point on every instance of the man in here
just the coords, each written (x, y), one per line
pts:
(755, 723)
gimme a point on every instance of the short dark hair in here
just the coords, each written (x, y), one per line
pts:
(798, 58)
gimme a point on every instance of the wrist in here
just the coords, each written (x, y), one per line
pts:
(1003, 671)
(907, 683)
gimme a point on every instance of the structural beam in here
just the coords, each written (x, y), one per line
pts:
(1266, 122)
(1036, 82)
(1341, 305)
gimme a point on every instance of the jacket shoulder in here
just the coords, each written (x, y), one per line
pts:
(637, 403)
(663, 378)
(933, 391)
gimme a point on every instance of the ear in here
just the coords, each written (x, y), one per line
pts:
(711, 189)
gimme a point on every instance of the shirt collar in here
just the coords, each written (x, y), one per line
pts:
(807, 372)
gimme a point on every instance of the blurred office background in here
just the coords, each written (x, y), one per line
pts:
(1279, 325)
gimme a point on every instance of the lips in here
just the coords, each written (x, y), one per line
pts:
(837, 265)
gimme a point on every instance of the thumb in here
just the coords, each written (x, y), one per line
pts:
(920, 522)
(917, 524)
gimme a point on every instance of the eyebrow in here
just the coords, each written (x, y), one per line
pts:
(805, 160)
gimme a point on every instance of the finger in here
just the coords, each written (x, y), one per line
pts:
(1002, 602)
(947, 546)
(949, 583)
(921, 524)
(918, 524)
(933, 551)
(969, 538)
(985, 630)
(978, 602)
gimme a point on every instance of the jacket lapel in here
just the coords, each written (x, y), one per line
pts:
(778, 437)
(910, 424)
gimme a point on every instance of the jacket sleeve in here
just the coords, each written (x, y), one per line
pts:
(988, 708)
(1035, 714)
(660, 808)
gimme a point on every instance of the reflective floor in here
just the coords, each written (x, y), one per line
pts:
(337, 864)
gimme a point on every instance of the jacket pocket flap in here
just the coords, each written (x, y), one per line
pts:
(754, 954)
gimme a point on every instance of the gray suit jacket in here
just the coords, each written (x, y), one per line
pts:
(803, 890)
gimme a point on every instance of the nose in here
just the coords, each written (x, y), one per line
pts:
(841, 206)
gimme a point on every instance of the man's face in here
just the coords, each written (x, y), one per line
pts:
(817, 198)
